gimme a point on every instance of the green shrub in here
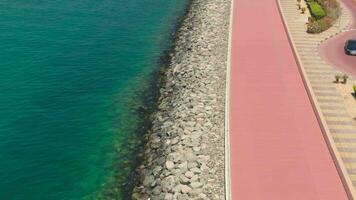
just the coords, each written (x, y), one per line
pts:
(345, 77)
(316, 10)
(354, 89)
(324, 14)
(311, 19)
(319, 25)
(331, 7)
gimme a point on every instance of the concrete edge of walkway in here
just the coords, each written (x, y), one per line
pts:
(346, 181)
(227, 113)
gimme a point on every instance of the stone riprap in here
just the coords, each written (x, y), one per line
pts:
(184, 153)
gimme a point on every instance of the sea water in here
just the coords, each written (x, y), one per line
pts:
(73, 74)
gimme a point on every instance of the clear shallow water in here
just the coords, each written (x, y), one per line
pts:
(72, 74)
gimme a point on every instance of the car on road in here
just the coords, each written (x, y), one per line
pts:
(350, 47)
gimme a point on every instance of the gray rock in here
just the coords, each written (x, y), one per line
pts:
(168, 196)
(194, 178)
(186, 144)
(148, 180)
(169, 165)
(202, 196)
(157, 170)
(183, 167)
(185, 189)
(174, 141)
(196, 148)
(195, 170)
(189, 174)
(183, 197)
(183, 179)
(157, 190)
(191, 156)
(196, 185)
(192, 165)
(168, 183)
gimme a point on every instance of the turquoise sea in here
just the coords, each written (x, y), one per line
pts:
(73, 75)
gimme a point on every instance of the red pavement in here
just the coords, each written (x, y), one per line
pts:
(277, 148)
(333, 49)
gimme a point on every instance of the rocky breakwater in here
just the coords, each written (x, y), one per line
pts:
(184, 153)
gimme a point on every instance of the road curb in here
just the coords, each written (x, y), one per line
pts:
(346, 181)
(227, 113)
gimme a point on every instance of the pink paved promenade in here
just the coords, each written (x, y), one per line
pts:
(277, 148)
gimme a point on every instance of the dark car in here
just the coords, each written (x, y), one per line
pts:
(350, 47)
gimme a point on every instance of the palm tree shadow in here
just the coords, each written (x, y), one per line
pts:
(353, 94)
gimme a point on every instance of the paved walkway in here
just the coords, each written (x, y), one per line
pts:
(277, 148)
(321, 77)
